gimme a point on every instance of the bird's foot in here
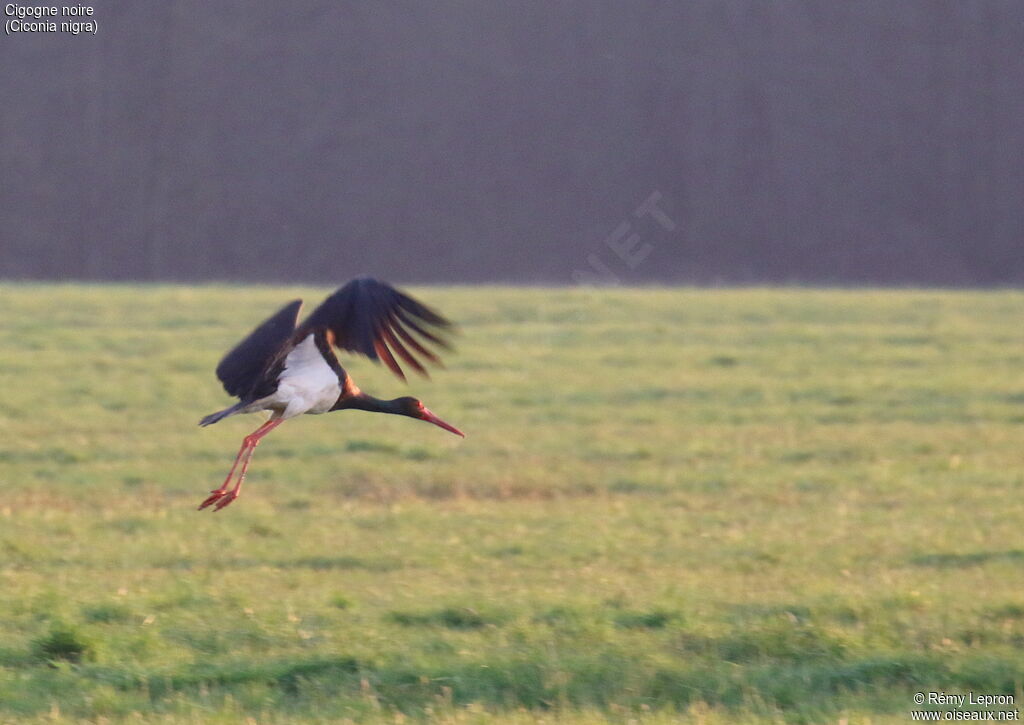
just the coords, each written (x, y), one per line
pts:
(215, 495)
(225, 500)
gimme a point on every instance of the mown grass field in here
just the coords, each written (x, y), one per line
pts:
(709, 506)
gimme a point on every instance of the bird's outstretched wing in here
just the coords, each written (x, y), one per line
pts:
(372, 318)
(244, 367)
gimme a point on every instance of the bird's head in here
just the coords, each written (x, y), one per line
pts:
(414, 408)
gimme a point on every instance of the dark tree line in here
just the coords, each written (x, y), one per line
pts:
(792, 140)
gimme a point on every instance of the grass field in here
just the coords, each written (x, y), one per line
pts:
(707, 506)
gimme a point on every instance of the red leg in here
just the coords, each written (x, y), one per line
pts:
(237, 490)
(221, 496)
(218, 492)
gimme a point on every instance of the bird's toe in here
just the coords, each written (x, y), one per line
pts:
(225, 500)
(214, 496)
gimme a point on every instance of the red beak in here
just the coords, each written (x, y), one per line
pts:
(431, 418)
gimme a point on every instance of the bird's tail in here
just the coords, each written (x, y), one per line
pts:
(220, 414)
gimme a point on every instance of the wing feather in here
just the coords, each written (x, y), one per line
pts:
(406, 320)
(395, 344)
(415, 345)
(372, 318)
(244, 368)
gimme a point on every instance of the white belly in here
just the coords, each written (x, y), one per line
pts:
(307, 385)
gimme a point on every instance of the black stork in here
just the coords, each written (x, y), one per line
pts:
(288, 369)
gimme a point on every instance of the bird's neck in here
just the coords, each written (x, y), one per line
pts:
(362, 401)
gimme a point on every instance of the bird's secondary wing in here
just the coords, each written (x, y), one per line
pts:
(244, 367)
(372, 318)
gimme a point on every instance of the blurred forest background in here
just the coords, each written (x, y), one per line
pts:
(806, 141)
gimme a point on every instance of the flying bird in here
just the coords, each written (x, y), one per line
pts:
(289, 369)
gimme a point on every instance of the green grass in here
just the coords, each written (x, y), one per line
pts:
(708, 506)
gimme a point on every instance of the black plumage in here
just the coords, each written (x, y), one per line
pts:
(289, 369)
(251, 362)
(369, 317)
(365, 316)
